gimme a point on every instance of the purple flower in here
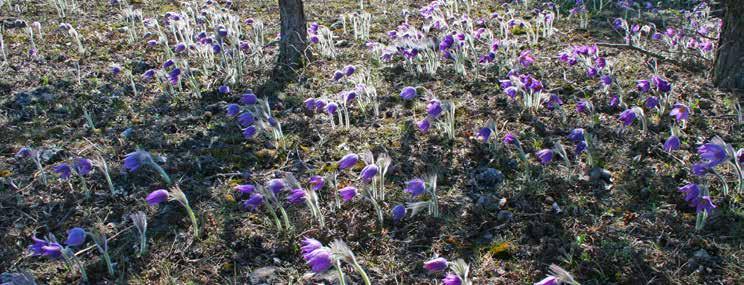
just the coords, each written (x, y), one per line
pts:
(415, 187)
(348, 161)
(434, 108)
(553, 101)
(436, 264)
(152, 43)
(672, 143)
(700, 169)
(23, 152)
(249, 132)
(253, 202)
(180, 47)
(82, 166)
(484, 134)
(525, 58)
(583, 106)
(115, 69)
(451, 279)
(224, 89)
(408, 93)
(157, 197)
(704, 204)
(347, 193)
(652, 102)
(399, 211)
(245, 188)
(643, 85)
(691, 191)
(310, 104)
(509, 139)
(233, 109)
(661, 84)
(627, 117)
(248, 98)
(168, 63)
(174, 76)
(368, 172)
(36, 247)
(600, 62)
(52, 250)
(337, 75)
(576, 135)
(319, 260)
(591, 72)
(550, 280)
(296, 196)
(216, 48)
(134, 160)
(64, 170)
(317, 182)
(712, 154)
(656, 36)
(680, 112)
(606, 80)
(75, 237)
(423, 125)
(148, 74)
(614, 101)
(308, 245)
(246, 119)
(349, 70)
(276, 185)
(545, 156)
(319, 104)
(331, 108)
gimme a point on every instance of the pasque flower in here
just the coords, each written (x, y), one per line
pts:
(157, 197)
(525, 58)
(296, 196)
(75, 237)
(347, 193)
(64, 170)
(245, 188)
(253, 202)
(627, 117)
(509, 138)
(484, 134)
(434, 108)
(712, 154)
(408, 93)
(232, 109)
(317, 182)
(545, 156)
(399, 211)
(348, 161)
(423, 125)
(576, 135)
(680, 112)
(249, 132)
(415, 187)
(246, 119)
(436, 264)
(451, 279)
(672, 143)
(248, 98)
(317, 256)
(276, 185)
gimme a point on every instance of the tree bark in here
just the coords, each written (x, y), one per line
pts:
(293, 34)
(728, 72)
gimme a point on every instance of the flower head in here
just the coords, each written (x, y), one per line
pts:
(232, 109)
(296, 196)
(704, 204)
(691, 191)
(75, 237)
(545, 156)
(246, 119)
(583, 106)
(224, 89)
(434, 108)
(576, 135)
(135, 160)
(317, 182)
(712, 154)
(245, 188)
(423, 125)
(347, 193)
(408, 93)
(23, 152)
(399, 211)
(248, 98)
(509, 138)
(174, 76)
(64, 171)
(249, 132)
(276, 185)
(319, 260)
(157, 197)
(253, 202)
(368, 172)
(672, 143)
(643, 85)
(451, 279)
(415, 187)
(36, 247)
(348, 161)
(680, 112)
(349, 70)
(436, 264)
(484, 134)
(525, 58)
(652, 102)
(337, 75)
(627, 117)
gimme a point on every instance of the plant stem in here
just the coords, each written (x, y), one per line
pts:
(341, 279)
(361, 271)
(162, 172)
(192, 216)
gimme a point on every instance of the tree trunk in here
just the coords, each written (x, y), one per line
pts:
(293, 34)
(728, 72)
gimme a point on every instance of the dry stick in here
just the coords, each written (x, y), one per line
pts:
(107, 240)
(646, 52)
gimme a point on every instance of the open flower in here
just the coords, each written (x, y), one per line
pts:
(545, 156)
(680, 112)
(415, 187)
(451, 279)
(712, 154)
(317, 182)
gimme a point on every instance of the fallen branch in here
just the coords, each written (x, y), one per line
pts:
(648, 53)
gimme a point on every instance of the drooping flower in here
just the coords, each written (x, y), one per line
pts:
(627, 117)
(704, 204)
(680, 112)
(408, 93)
(691, 191)
(276, 185)
(615, 101)
(349, 70)
(712, 154)
(23, 152)
(550, 280)
(224, 89)
(36, 247)
(331, 108)
(319, 260)
(553, 101)
(75, 237)
(157, 197)
(52, 250)
(525, 58)
(246, 119)
(652, 102)
(423, 125)
(583, 106)
(134, 160)
(436, 264)
(253, 202)
(484, 134)
(434, 108)
(249, 132)
(661, 84)
(509, 139)
(174, 76)
(451, 279)
(308, 245)
(576, 135)
(643, 85)
(232, 109)
(245, 188)
(606, 80)
(296, 196)
(368, 172)
(348, 161)
(317, 182)
(347, 193)
(700, 169)
(545, 156)
(415, 187)
(64, 170)
(672, 143)
(337, 75)
(82, 166)
(248, 98)
(399, 211)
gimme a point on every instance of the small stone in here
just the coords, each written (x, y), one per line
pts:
(264, 274)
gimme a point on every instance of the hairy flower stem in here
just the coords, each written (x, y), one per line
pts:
(73, 262)
(88, 192)
(361, 271)
(285, 218)
(192, 216)
(378, 210)
(723, 182)
(162, 173)
(109, 264)
(341, 279)
(37, 161)
(275, 217)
